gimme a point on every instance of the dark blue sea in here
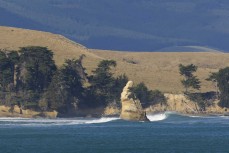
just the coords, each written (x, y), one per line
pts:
(166, 133)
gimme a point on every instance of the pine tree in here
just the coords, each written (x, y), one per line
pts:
(6, 71)
(189, 81)
(36, 68)
(148, 97)
(102, 81)
(223, 84)
(66, 89)
(213, 77)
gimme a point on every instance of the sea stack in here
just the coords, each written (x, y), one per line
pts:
(131, 107)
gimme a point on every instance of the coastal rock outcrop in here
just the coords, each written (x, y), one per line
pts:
(131, 107)
(15, 111)
(181, 104)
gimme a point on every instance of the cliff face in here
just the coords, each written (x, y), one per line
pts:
(180, 103)
(15, 111)
(131, 108)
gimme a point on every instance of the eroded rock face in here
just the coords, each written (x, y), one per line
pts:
(15, 111)
(131, 108)
(181, 104)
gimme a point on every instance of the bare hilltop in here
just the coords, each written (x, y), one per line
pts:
(158, 70)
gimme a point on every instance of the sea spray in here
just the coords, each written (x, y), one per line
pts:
(102, 120)
(156, 117)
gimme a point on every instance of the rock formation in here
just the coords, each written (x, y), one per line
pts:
(131, 107)
(181, 104)
(15, 111)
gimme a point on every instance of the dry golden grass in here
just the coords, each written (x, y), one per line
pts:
(157, 70)
(160, 70)
(63, 48)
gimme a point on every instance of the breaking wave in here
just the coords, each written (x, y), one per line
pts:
(102, 120)
(58, 121)
(168, 117)
(157, 117)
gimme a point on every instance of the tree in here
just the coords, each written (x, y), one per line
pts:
(6, 71)
(148, 97)
(102, 81)
(223, 84)
(202, 100)
(189, 81)
(32, 70)
(56, 97)
(13, 56)
(72, 77)
(66, 89)
(8, 76)
(36, 68)
(213, 78)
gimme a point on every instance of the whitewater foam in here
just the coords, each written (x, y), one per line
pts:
(58, 121)
(102, 120)
(157, 117)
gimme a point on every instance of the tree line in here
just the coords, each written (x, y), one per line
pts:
(219, 79)
(29, 78)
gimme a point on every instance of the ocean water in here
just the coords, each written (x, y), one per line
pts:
(166, 133)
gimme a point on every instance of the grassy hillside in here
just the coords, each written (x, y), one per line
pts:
(159, 70)
(188, 49)
(13, 38)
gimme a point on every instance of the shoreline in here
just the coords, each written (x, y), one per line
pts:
(187, 114)
(5, 111)
(54, 114)
(175, 103)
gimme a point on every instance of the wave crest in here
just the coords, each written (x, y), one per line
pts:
(102, 120)
(58, 121)
(157, 117)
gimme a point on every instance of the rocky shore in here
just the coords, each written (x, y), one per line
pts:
(181, 104)
(131, 108)
(177, 103)
(15, 111)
